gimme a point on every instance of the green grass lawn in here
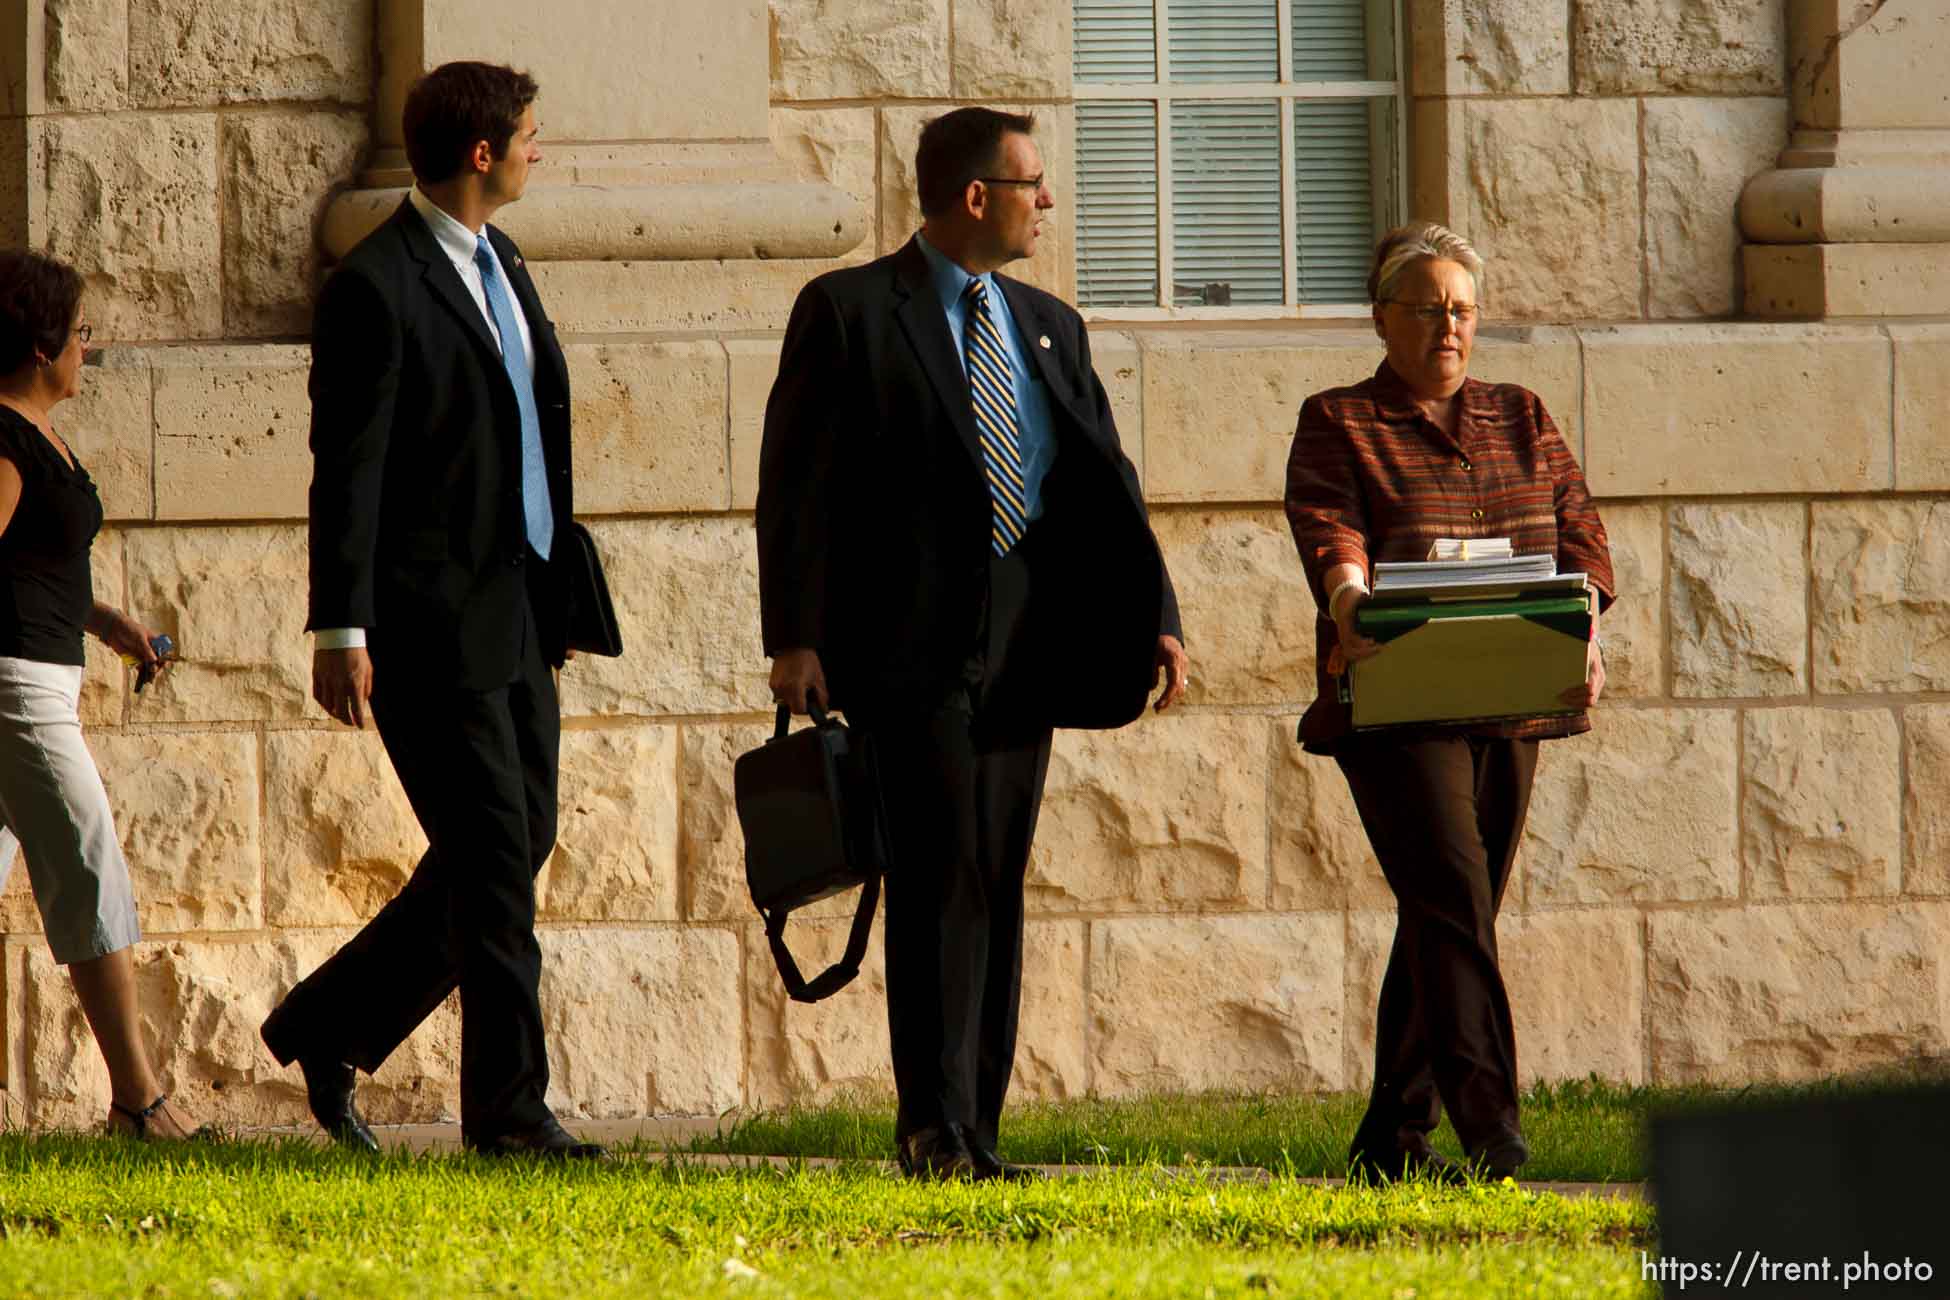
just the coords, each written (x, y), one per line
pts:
(89, 1216)
(85, 1216)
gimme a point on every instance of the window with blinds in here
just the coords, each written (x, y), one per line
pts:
(1234, 156)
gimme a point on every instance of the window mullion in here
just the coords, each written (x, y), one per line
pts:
(1285, 19)
(1289, 207)
(1289, 214)
(1165, 268)
(1161, 29)
(1398, 165)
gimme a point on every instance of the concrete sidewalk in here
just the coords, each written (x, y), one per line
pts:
(674, 1133)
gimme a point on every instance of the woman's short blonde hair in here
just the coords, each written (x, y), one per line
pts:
(1405, 245)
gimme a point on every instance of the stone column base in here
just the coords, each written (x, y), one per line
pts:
(1816, 281)
(1869, 204)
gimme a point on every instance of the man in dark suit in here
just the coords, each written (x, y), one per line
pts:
(953, 549)
(440, 441)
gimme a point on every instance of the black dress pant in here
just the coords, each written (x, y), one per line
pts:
(1444, 816)
(962, 780)
(479, 768)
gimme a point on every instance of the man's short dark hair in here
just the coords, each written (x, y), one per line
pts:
(39, 300)
(456, 106)
(959, 147)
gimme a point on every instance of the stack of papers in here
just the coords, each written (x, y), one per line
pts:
(1490, 569)
(1470, 548)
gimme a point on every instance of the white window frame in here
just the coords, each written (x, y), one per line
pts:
(1163, 92)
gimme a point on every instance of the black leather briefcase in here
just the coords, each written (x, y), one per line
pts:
(809, 803)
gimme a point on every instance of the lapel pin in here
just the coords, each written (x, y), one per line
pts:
(1043, 341)
(517, 261)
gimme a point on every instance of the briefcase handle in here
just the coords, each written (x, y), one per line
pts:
(840, 973)
(784, 724)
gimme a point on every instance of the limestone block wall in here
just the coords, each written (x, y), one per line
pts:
(179, 154)
(853, 82)
(182, 153)
(1744, 873)
(1596, 149)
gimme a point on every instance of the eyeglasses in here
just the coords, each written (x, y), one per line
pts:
(84, 333)
(1429, 313)
(1034, 182)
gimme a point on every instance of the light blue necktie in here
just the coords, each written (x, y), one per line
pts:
(534, 470)
(992, 388)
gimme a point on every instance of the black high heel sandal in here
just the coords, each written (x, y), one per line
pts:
(140, 1120)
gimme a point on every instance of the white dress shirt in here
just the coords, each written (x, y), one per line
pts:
(459, 244)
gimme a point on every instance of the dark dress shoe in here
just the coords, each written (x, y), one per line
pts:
(937, 1153)
(988, 1165)
(328, 1087)
(328, 1081)
(1502, 1157)
(548, 1140)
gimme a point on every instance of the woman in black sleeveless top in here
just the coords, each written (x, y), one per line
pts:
(51, 795)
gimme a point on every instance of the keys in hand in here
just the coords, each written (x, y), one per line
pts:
(147, 670)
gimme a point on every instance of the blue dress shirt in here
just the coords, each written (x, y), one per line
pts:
(1035, 426)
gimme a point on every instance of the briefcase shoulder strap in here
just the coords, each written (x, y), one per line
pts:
(840, 973)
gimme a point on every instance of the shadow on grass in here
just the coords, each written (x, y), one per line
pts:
(1579, 1131)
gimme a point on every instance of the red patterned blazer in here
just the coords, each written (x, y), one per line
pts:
(1372, 478)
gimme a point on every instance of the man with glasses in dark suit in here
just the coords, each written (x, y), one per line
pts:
(953, 549)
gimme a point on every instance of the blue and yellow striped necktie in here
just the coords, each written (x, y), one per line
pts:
(993, 391)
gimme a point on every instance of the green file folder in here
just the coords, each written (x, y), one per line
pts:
(1470, 660)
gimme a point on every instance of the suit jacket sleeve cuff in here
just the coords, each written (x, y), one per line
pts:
(339, 638)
